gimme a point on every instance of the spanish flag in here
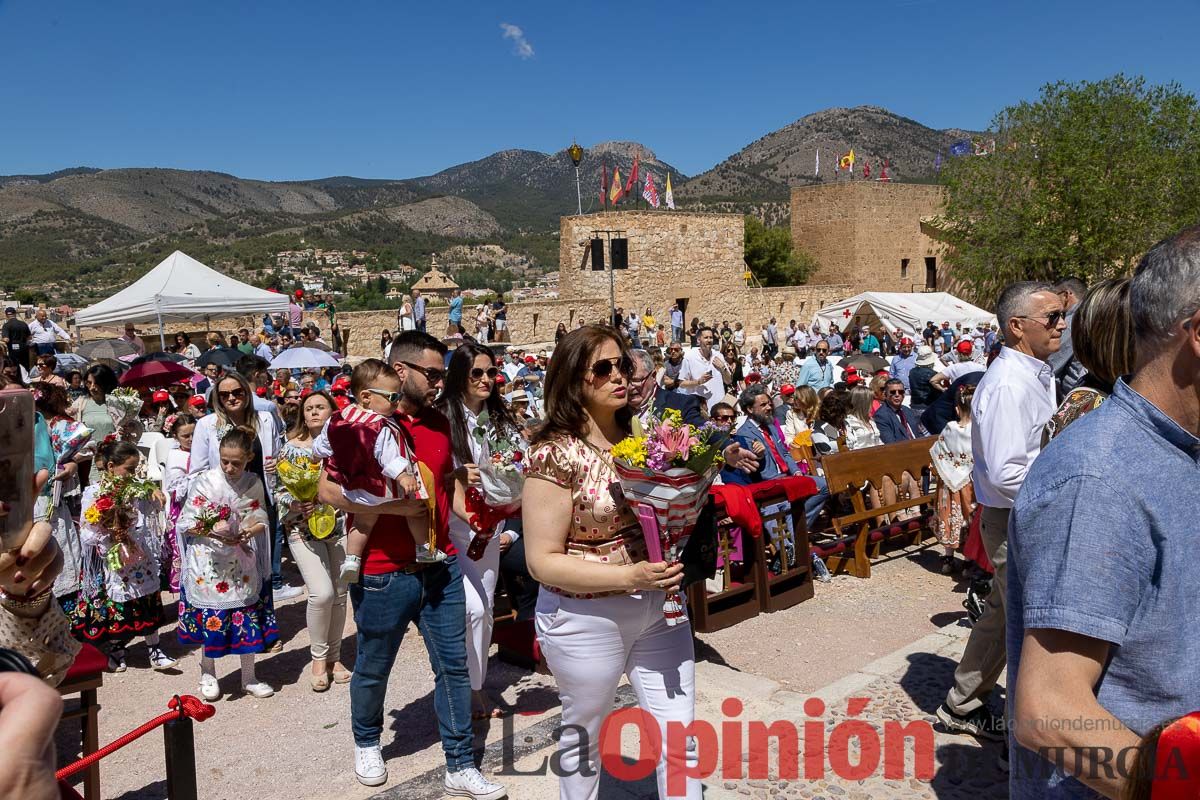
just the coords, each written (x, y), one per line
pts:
(617, 190)
(847, 161)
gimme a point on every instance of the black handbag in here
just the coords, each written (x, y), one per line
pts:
(699, 556)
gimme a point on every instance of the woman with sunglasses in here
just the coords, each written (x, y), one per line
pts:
(470, 391)
(599, 613)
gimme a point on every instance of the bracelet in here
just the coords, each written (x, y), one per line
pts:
(24, 601)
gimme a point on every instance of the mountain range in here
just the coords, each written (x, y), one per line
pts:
(50, 222)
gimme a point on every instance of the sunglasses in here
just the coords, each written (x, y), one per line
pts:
(895, 391)
(391, 397)
(822, 350)
(1052, 319)
(724, 418)
(477, 373)
(604, 368)
(434, 376)
(234, 394)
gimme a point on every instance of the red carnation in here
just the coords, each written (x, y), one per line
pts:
(518, 456)
(104, 503)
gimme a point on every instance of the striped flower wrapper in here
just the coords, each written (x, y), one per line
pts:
(667, 505)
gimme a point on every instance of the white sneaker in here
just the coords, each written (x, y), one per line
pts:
(160, 660)
(210, 690)
(369, 767)
(350, 570)
(258, 689)
(470, 783)
(286, 592)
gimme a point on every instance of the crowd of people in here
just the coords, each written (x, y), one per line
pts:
(1065, 436)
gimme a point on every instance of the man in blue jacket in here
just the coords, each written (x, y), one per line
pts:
(896, 422)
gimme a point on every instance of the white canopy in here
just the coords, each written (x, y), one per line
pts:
(908, 311)
(179, 289)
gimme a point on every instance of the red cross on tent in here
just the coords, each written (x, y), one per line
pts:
(846, 313)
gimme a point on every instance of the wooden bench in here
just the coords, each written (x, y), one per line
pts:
(855, 539)
(85, 676)
(794, 582)
(739, 575)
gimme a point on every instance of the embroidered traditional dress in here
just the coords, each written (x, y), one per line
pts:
(953, 461)
(225, 589)
(117, 605)
(175, 487)
(67, 437)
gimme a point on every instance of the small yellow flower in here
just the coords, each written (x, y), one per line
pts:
(631, 450)
(91, 515)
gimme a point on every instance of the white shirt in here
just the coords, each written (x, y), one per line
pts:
(693, 368)
(960, 368)
(391, 457)
(1014, 400)
(511, 369)
(46, 332)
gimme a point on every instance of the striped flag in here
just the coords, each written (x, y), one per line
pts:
(617, 191)
(669, 198)
(649, 192)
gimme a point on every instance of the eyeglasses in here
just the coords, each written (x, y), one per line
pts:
(604, 368)
(822, 350)
(477, 373)
(434, 376)
(724, 417)
(391, 397)
(233, 394)
(1052, 319)
(896, 391)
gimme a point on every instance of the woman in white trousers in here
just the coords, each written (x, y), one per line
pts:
(599, 613)
(470, 393)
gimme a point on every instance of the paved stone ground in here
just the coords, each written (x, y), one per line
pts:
(883, 638)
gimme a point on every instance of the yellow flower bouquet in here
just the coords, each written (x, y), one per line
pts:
(301, 475)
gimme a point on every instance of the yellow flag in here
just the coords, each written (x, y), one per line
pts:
(614, 193)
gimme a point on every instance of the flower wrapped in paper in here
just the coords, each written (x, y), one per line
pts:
(301, 476)
(124, 405)
(502, 466)
(665, 470)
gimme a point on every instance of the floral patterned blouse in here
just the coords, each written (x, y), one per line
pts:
(603, 527)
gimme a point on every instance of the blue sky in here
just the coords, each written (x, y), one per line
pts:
(296, 90)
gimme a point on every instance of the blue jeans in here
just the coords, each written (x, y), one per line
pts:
(814, 504)
(276, 547)
(383, 606)
(676, 334)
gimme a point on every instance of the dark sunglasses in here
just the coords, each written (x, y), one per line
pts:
(895, 391)
(1052, 319)
(234, 394)
(434, 376)
(724, 417)
(391, 397)
(477, 373)
(820, 350)
(604, 368)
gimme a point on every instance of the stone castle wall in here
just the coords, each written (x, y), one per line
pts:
(868, 234)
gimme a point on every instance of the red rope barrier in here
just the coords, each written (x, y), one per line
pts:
(181, 706)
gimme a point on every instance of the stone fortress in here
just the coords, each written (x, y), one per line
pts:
(865, 236)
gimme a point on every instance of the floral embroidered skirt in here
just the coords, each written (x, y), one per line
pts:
(99, 618)
(229, 631)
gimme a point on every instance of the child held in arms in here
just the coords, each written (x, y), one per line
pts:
(368, 455)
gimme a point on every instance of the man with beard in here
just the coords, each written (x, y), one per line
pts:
(672, 366)
(704, 372)
(395, 590)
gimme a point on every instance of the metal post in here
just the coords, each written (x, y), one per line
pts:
(612, 292)
(181, 759)
(578, 195)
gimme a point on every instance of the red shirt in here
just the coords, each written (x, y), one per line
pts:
(390, 547)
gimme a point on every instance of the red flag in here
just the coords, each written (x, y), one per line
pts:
(633, 176)
(604, 186)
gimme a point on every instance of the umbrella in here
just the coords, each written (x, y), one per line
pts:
(221, 356)
(159, 355)
(153, 373)
(865, 362)
(70, 361)
(111, 349)
(113, 364)
(314, 346)
(303, 358)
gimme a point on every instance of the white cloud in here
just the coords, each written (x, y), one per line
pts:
(521, 45)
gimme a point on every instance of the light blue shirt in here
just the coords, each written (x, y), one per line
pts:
(677, 319)
(419, 309)
(901, 366)
(1102, 543)
(456, 309)
(818, 376)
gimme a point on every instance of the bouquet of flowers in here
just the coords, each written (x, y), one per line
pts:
(502, 474)
(300, 475)
(665, 472)
(125, 404)
(112, 510)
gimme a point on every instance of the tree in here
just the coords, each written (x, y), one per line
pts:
(1081, 182)
(769, 254)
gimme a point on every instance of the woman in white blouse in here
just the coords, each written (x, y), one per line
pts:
(231, 405)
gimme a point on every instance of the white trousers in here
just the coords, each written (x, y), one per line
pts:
(589, 645)
(479, 585)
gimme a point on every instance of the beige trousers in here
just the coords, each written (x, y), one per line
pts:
(986, 652)
(320, 561)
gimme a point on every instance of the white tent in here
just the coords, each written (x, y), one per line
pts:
(181, 289)
(908, 311)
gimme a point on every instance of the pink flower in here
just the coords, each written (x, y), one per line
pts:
(198, 502)
(223, 512)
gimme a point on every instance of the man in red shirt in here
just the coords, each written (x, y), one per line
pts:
(394, 590)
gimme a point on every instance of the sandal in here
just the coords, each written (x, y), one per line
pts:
(320, 683)
(340, 673)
